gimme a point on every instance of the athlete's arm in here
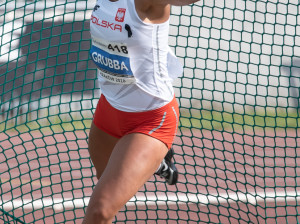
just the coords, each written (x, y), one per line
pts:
(172, 2)
(157, 11)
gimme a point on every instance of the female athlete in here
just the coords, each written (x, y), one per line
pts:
(136, 118)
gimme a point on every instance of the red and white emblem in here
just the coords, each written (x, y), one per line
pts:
(120, 15)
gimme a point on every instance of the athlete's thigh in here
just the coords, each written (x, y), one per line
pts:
(134, 160)
(101, 146)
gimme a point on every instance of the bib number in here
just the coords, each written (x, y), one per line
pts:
(112, 60)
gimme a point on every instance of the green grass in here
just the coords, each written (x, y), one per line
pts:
(54, 124)
(215, 120)
(190, 119)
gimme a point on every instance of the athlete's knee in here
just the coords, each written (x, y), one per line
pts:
(101, 213)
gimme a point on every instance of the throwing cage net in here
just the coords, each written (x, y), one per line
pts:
(237, 148)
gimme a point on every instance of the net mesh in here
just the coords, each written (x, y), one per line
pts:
(237, 148)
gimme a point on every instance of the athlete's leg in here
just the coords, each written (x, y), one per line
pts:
(133, 161)
(101, 145)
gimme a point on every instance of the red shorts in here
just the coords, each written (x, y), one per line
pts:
(160, 123)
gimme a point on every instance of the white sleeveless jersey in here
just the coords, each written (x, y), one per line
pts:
(136, 67)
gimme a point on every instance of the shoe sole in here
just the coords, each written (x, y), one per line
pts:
(173, 176)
